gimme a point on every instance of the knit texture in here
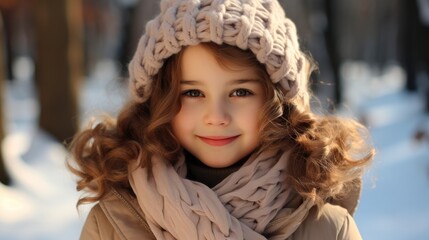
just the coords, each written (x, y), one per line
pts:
(258, 25)
(251, 203)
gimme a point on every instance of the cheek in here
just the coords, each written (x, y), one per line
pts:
(177, 124)
(183, 120)
(249, 119)
(253, 122)
(250, 113)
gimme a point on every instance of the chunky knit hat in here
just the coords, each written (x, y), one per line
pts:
(258, 25)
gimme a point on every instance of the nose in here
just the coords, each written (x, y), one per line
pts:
(217, 114)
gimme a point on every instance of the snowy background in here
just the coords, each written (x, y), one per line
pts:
(40, 204)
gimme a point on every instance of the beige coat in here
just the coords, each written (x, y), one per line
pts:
(118, 216)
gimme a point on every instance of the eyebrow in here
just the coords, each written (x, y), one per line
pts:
(189, 82)
(236, 81)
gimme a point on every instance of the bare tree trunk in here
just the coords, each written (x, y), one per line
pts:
(144, 11)
(333, 52)
(4, 176)
(59, 65)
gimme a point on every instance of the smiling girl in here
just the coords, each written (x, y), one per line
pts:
(219, 140)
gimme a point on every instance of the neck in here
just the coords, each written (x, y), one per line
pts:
(198, 171)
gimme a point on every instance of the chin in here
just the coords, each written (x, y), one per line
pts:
(214, 163)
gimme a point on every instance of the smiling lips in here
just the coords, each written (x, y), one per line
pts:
(218, 141)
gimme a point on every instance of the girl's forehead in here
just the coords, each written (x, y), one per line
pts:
(201, 61)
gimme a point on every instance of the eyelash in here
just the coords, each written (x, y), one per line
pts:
(246, 92)
(189, 93)
(198, 93)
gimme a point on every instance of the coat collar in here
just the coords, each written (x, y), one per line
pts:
(125, 215)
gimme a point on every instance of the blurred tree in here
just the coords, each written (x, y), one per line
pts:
(59, 65)
(317, 31)
(4, 176)
(333, 51)
(7, 8)
(134, 17)
(415, 48)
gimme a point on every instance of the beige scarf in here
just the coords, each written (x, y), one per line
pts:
(252, 203)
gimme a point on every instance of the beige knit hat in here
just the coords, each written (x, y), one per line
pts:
(258, 25)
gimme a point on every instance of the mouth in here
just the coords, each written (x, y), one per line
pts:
(218, 140)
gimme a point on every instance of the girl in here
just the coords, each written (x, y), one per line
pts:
(219, 141)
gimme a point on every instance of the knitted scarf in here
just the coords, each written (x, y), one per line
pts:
(252, 203)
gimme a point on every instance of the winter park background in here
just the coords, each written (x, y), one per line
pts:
(40, 202)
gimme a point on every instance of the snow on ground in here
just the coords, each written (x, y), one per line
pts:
(396, 188)
(396, 191)
(40, 204)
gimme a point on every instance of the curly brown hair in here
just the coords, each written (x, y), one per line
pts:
(327, 153)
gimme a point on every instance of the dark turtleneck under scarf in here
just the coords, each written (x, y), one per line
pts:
(198, 171)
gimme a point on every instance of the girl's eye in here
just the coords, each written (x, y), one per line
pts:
(241, 93)
(193, 93)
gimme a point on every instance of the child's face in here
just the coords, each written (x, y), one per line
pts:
(221, 109)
